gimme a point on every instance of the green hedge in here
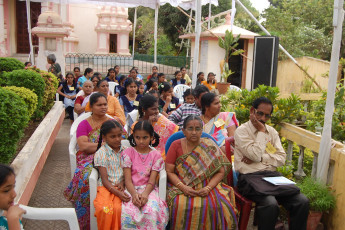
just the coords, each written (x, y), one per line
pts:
(10, 64)
(51, 85)
(14, 117)
(28, 79)
(29, 97)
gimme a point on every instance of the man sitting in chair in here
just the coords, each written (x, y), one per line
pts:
(258, 152)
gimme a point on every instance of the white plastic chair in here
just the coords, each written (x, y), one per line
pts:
(112, 87)
(234, 87)
(93, 188)
(72, 147)
(130, 119)
(56, 97)
(67, 214)
(179, 90)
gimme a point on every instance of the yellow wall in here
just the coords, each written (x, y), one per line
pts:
(290, 78)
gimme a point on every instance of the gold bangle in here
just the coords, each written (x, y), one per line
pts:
(178, 184)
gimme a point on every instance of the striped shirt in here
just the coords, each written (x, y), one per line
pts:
(106, 157)
(180, 114)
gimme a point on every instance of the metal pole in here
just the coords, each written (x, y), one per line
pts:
(189, 26)
(325, 145)
(209, 15)
(134, 26)
(197, 41)
(155, 33)
(28, 18)
(233, 12)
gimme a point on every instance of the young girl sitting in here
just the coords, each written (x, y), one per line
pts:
(11, 219)
(130, 100)
(110, 190)
(167, 101)
(141, 166)
(178, 79)
(119, 88)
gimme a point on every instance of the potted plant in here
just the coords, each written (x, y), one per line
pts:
(229, 44)
(320, 200)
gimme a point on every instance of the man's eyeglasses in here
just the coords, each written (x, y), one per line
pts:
(260, 114)
(191, 129)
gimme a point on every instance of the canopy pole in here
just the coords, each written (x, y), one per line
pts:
(209, 15)
(189, 26)
(28, 18)
(233, 12)
(134, 26)
(280, 46)
(325, 145)
(155, 33)
(197, 41)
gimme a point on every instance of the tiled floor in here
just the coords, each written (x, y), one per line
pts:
(54, 177)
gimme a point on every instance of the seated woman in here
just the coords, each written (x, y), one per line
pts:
(197, 197)
(111, 75)
(178, 79)
(218, 124)
(200, 78)
(130, 100)
(167, 101)
(151, 84)
(87, 138)
(148, 110)
(211, 82)
(114, 107)
(69, 90)
(81, 101)
(95, 79)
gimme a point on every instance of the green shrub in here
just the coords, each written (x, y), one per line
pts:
(28, 79)
(320, 197)
(10, 64)
(29, 97)
(14, 117)
(51, 85)
(284, 110)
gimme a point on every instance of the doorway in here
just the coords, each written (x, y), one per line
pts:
(22, 25)
(112, 43)
(235, 65)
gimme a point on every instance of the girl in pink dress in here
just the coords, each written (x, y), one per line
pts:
(141, 166)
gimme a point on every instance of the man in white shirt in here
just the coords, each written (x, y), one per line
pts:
(258, 152)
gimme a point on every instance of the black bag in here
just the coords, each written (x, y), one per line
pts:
(252, 184)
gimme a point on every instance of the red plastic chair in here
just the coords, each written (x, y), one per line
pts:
(244, 205)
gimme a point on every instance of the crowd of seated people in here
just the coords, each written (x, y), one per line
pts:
(197, 195)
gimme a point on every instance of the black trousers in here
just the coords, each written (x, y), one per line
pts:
(268, 210)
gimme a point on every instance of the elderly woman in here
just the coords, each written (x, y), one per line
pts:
(218, 124)
(54, 68)
(87, 137)
(114, 107)
(148, 110)
(197, 197)
(83, 99)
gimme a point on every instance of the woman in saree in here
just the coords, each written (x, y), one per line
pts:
(196, 196)
(114, 107)
(87, 138)
(218, 124)
(148, 110)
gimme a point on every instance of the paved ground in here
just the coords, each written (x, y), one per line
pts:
(54, 178)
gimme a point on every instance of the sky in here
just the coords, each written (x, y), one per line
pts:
(260, 4)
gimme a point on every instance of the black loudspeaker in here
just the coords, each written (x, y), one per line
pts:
(265, 61)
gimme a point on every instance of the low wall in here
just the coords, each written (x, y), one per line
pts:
(31, 159)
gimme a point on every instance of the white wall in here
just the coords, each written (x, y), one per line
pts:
(84, 19)
(215, 55)
(249, 65)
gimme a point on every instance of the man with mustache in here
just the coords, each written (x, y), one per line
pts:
(258, 152)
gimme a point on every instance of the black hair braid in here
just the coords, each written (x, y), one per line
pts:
(156, 139)
(132, 141)
(99, 140)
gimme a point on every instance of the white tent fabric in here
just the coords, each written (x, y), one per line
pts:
(185, 4)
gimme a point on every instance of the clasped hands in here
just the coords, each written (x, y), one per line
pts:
(189, 191)
(119, 191)
(139, 199)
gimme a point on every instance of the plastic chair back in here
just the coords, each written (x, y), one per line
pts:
(179, 90)
(179, 135)
(112, 87)
(234, 87)
(67, 214)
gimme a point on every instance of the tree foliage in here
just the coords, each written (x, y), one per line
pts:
(304, 27)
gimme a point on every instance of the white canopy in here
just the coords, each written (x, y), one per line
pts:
(185, 4)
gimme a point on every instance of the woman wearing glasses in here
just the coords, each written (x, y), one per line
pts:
(218, 124)
(197, 197)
